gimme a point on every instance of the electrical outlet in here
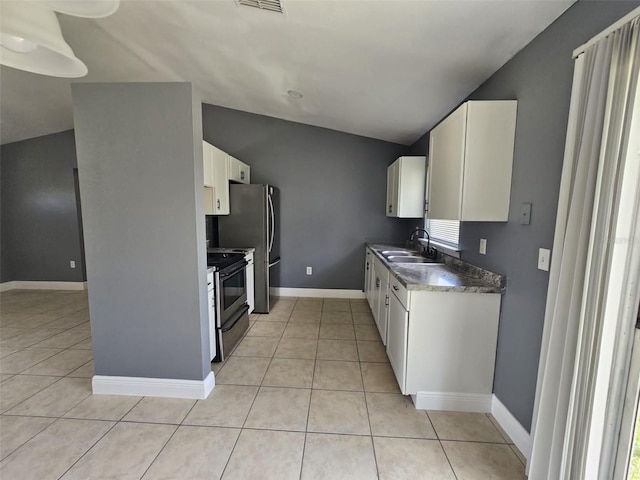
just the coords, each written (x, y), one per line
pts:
(72, 263)
(483, 246)
(544, 259)
(309, 271)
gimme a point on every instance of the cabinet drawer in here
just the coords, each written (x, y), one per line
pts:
(400, 291)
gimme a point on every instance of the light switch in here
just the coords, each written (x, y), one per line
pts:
(544, 259)
(483, 246)
(525, 214)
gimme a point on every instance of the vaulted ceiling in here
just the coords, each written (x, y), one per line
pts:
(387, 69)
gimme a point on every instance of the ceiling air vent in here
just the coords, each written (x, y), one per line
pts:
(270, 5)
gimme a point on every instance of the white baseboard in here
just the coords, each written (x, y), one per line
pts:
(36, 285)
(316, 292)
(521, 438)
(153, 387)
(456, 402)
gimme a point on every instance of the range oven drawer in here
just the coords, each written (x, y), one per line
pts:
(232, 331)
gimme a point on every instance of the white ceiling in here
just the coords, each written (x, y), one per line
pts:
(387, 69)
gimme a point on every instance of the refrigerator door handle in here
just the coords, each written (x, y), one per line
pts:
(272, 226)
(275, 262)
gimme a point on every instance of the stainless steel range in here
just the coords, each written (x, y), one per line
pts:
(230, 294)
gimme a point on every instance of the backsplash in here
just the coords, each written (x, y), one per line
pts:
(211, 227)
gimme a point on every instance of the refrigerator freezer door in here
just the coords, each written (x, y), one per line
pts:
(249, 225)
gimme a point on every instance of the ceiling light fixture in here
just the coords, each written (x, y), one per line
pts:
(31, 39)
(294, 94)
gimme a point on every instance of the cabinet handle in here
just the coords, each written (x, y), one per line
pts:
(395, 288)
(390, 206)
(377, 283)
(386, 301)
(367, 265)
(242, 175)
(218, 204)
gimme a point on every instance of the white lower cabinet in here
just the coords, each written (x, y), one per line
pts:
(249, 279)
(397, 340)
(441, 345)
(370, 279)
(381, 299)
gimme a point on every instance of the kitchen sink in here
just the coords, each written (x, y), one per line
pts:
(409, 259)
(396, 253)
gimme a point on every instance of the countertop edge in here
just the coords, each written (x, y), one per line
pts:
(417, 287)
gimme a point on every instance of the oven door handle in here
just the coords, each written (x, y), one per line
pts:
(241, 266)
(233, 320)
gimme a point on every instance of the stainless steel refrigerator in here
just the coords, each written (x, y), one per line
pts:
(253, 222)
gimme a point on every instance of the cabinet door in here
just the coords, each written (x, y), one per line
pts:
(207, 167)
(446, 150)
(372, 284)
(397, 340)
(221, 181)
(488, 161)
(367, 262)
(383, 310)
(410, 187)
(392, 189)
(377, 286)
(209, 201)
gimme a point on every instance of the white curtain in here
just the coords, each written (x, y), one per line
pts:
(573, 344)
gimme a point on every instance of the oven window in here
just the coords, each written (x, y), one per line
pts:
(233, 288)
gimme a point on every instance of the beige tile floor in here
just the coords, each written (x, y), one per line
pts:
(308, 394)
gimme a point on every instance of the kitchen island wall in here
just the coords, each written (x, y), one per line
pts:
(332, 192)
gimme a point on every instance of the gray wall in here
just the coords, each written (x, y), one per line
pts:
(140, 161)
(539, 77)
(40, 232)
(332, 192)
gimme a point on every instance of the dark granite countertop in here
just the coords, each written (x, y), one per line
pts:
(449, 275)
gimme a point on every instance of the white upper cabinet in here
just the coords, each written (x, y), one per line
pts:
(471, 159)
(405, 187)
(239, 171)
(216, 180)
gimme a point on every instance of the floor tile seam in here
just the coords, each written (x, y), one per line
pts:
(448, 459)
(59, 353)
(88, 450)
(518, 456)
(339, 390)
(253, 402)
(347, 434)
(313, 377)
(66, 416)
(31, 437)
(4, 412)
(398, 437)
(503, 435)
(484, 442)
(366, 406)
(160, 451)
(235, 444)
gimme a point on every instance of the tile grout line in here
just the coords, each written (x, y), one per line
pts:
(88, 450)
(162, 448)
(313, 374)
(366, 404)
(242, 428)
